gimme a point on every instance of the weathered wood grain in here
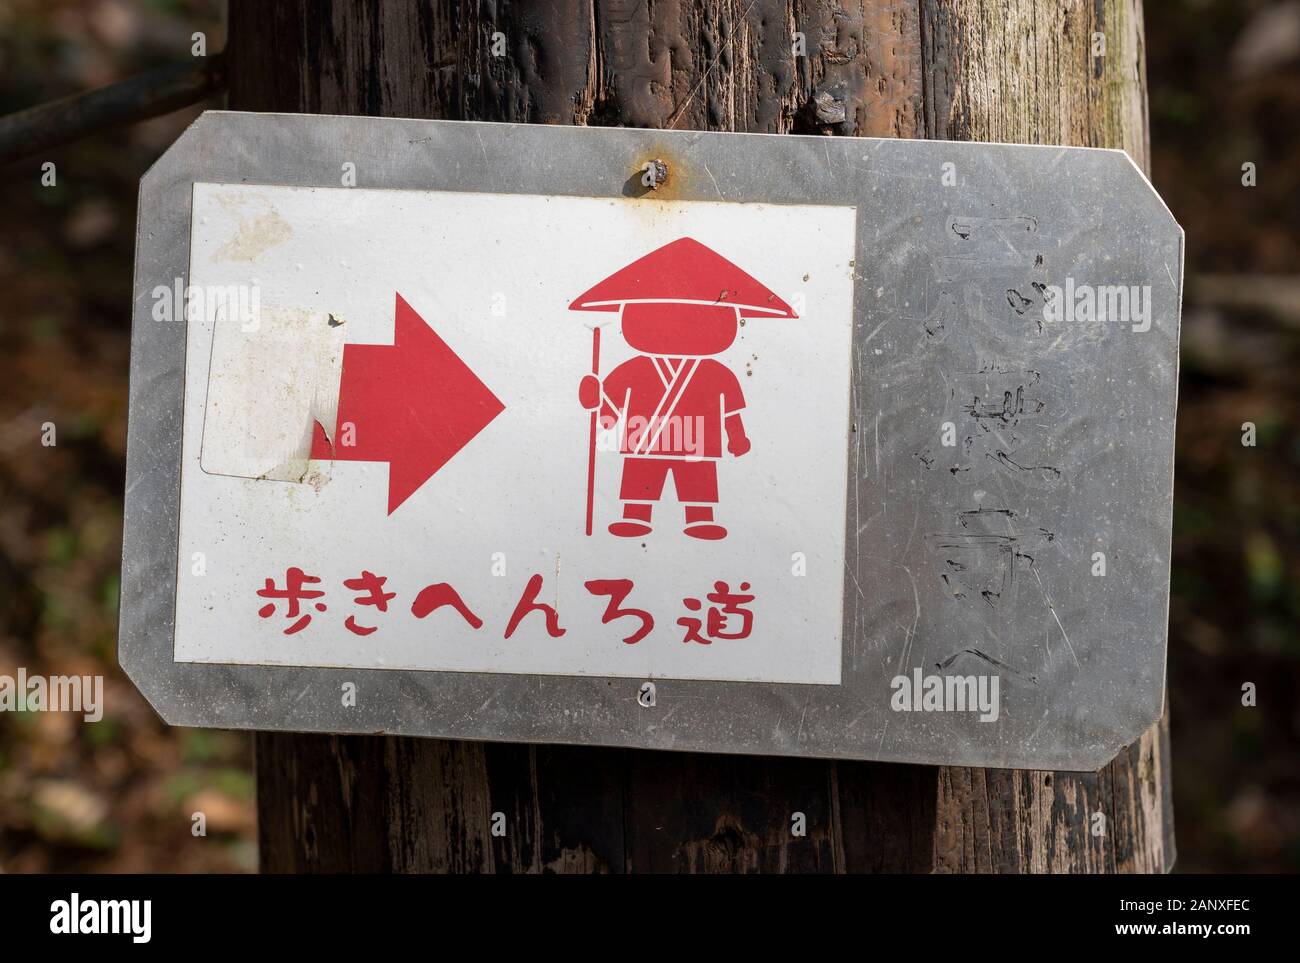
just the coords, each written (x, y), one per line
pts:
(997, 70)
(1025, 72)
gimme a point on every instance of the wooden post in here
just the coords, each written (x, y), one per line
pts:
(1037, 71)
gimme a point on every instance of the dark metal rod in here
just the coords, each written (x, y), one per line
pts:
(146, 95)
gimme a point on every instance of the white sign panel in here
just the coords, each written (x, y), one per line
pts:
(389, 458)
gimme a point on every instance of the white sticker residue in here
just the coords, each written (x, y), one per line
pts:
(274, 377)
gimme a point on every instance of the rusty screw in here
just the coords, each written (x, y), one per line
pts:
(654, 173)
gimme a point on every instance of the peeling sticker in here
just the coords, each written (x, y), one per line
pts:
(271, 384)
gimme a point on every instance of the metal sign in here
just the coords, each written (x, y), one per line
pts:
(820, 446)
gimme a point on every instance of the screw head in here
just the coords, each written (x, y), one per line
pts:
(654, 173)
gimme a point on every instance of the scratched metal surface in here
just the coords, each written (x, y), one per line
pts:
(971, 559)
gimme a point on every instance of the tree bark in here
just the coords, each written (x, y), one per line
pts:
(1029, 71)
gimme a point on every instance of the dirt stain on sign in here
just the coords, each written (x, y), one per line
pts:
(257, 232)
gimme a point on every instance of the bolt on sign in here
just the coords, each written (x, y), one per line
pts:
(799, 445)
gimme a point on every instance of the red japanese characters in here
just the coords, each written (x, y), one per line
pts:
(727, 618)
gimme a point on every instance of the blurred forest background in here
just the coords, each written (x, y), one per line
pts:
(1224, 79)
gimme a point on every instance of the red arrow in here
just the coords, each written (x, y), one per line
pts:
(412, 403)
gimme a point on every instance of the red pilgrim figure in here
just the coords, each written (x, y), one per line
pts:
(678, 406)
